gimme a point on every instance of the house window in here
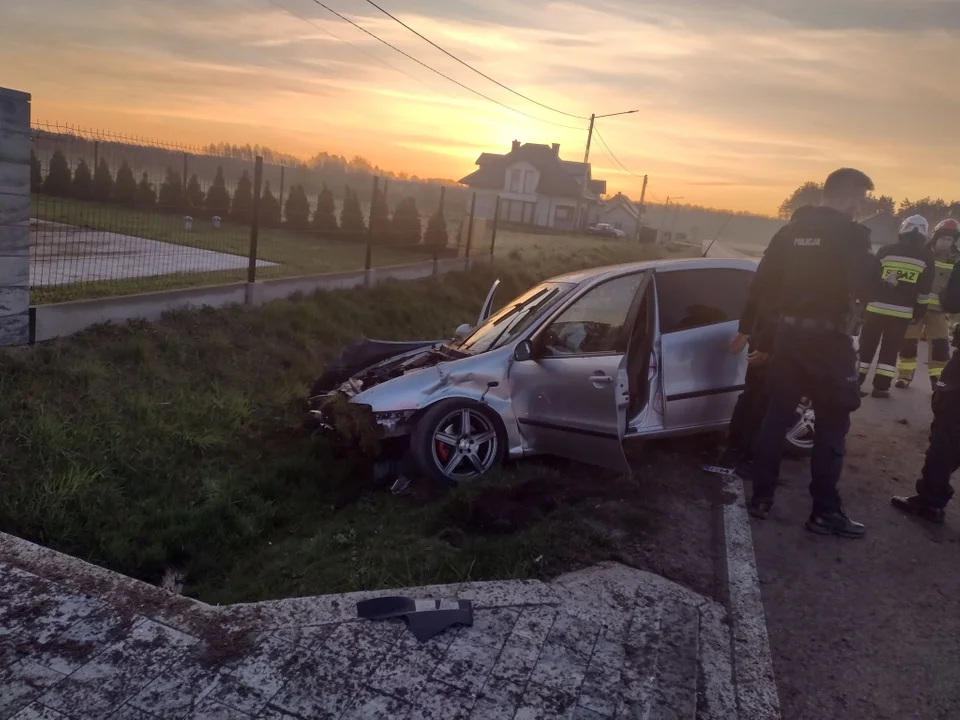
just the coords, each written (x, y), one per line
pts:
(516, 181)
(563, 213)
(516, 211)
(528, 182)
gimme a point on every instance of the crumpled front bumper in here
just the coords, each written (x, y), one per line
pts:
(390, 424)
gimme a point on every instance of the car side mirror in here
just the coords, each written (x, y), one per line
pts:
(462, 331)
(523, 352)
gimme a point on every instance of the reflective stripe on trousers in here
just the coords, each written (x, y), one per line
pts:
(890, 310)
(938, 346)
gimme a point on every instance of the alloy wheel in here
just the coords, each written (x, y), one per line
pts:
(465, 444)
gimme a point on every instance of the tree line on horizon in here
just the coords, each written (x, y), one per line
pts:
(934, 210)
(335, 171)
(175, 196)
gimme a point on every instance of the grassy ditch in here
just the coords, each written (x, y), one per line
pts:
(177, 445)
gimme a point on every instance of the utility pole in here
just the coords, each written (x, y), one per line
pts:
(586, 162)
(663, 219)
(643, 212)
(586, 155)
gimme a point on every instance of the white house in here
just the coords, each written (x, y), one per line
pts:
(620, 212)
(534, 185)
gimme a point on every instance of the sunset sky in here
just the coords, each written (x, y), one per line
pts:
(740, 100)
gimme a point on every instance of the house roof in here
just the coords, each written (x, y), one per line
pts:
(621, 200)
(558, 178)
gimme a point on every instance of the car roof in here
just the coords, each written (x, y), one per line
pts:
(663, 265)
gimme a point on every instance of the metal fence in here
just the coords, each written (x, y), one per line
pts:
(113, 215)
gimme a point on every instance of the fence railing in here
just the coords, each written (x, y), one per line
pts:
(113, 215)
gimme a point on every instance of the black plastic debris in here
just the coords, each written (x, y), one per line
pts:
(424, 618)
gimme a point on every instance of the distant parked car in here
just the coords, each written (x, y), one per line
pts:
(603, 230)
(574, 367)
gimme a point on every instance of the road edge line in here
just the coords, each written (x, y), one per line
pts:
(753, 675)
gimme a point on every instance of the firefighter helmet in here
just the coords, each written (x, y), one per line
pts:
(947, 228)
(915, 224)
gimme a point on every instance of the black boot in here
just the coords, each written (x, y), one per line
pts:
(878, 393)
(835, 523)
(915, 506)
(903, 384)
(933, 383)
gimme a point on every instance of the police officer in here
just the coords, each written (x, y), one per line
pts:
(911, 266)
(748, 413)
(943, 453)
(815, 270)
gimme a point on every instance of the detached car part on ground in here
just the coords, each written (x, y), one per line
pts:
(575, 367)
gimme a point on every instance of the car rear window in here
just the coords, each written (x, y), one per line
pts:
(695, 298)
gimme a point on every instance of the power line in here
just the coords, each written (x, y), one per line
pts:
(468, 65)
(615, 158)
(437, 72)
(347, 42)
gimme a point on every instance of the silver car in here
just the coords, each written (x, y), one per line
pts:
(574, 367)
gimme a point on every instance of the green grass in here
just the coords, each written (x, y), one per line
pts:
(178, 445)
(295, 254)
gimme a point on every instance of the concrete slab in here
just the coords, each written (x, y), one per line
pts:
(63, 254)
(81, 642)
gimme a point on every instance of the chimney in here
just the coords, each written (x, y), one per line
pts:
(516, 146)
(556, 149)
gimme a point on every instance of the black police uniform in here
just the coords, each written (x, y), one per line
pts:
(943, 454)
(897, 306)
(751, 406)
(813, 272)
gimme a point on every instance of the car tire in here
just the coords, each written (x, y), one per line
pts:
(484, 441)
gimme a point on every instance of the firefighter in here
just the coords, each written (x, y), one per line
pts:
(943, 453)
(910, 265)
(934, 324)
(813, 273)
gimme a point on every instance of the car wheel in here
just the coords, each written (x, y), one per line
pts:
(802, 432)
(457, 441)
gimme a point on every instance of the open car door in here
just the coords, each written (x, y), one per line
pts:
(699, 312)
(572, 395)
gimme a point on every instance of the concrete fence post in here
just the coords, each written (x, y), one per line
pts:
(14, 217)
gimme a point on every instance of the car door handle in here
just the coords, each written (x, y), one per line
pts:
(601, 379)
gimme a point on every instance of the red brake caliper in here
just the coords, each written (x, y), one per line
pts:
(443, 450)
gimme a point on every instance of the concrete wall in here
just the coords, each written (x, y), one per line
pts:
(268, 290)
(64, 319)
(14, 217)
(410, 271)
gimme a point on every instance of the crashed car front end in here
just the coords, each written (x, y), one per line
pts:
(391, 394)
(362, 366)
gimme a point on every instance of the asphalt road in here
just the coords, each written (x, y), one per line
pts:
(866, 629)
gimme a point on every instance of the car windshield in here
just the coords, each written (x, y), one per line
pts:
(515, 317)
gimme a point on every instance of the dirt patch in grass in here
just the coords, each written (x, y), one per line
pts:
(508, 509)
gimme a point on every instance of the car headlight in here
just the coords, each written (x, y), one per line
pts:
(391, 420)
